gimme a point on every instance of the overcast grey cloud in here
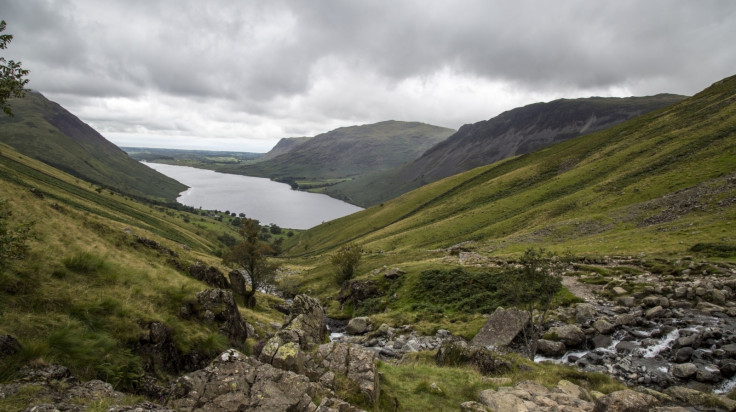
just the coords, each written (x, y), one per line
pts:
(241, 75)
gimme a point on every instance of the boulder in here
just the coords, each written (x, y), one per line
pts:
(237, 282)
(624, 319)
(394, 273)
(683, 354)
(458, 352)
(551, 348)
(218, 305)
(708, 374)
(695, 398)
(684, 370)
(625, 401)
(234, 382)
(502, 328)
(472, 406)
(307, 318)
(359, 326)
(209, 275)
(585, 312)
(655, 312)
(603, 326)
(9, 346)
(570, 335)
(501, 401)
(353, 362)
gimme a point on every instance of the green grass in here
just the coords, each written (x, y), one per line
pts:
(87, 289)
(628, 187)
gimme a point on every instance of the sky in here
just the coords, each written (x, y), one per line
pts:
(240, 75)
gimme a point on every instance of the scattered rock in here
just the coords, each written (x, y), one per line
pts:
(501, 329)
(625, 401)
(359, 326)
(685, 370)
(551, 348)
(209, 275)
(570, 335)
(394, 273)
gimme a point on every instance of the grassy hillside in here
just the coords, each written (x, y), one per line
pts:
(655, 185)
(100, 268)
(284, 146)
(518, 131)
(43, 130)
(347, 152)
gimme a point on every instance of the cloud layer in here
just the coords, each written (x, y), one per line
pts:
(241, 75)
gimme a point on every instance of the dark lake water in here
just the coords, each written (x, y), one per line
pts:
(259, 198)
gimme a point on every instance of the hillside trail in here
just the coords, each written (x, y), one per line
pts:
(581, 290)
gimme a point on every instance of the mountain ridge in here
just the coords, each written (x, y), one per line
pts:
(513, 132)
(46, 131)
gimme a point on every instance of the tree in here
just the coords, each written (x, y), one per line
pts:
(346, 261)
(532, 288)
(12, 75)
(250, 254)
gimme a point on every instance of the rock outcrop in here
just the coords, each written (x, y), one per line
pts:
(209, 275)
(502, 329)
(218, 306)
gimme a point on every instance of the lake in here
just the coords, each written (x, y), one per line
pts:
(259, 198)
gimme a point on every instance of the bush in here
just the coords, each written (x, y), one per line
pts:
(346, 261)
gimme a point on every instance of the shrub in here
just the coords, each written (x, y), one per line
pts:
(346, 261)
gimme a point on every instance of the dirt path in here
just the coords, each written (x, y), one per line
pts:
(581, 290)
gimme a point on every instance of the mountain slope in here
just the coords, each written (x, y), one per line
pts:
(285, 145)
(660, 182)
(351, 151)
(518, 131)
(44, 130)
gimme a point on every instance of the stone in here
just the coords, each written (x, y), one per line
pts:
(619, 291)
(603, 326)
(500, 401)
(472, 406)
(625, 401)
(353, 362)
(683, 354)
(626, 346)
(602, 341)
(218, 305)
(209, 275)
(708, 374)
(730, 350)
(501, 328)
(307, 318)
(551, 348)
(235, 382)
(684, 370)
(573, 390)
(624, 319)
(695, 398)
(570, 335)
(458, 352)
(728, 368)
(628, 301)
(655, 312)
(359, 326)
(394, 273)
(9, 346)
(585, 312)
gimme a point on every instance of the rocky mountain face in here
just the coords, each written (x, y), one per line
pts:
(44, 130)
(518, 131)
(285, 145)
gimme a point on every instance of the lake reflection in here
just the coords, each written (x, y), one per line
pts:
(258, 198)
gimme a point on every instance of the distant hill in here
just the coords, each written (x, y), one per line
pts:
(349, 152)
(204, 159)
(43, 130)
(661, 182)
(518, 131)
(284, 145)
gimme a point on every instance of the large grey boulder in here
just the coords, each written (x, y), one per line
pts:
(218, 306)
(625, 401)
(359, 326)
(235, 382)
(571, 335)
(209, 275)
(352, 362)
(307, 318)
(502, 328)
